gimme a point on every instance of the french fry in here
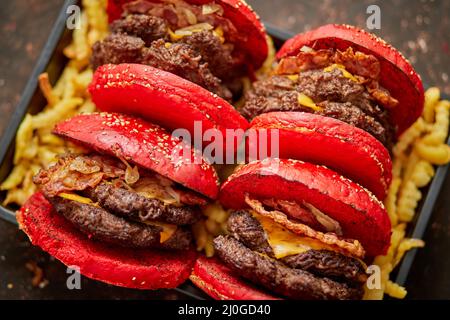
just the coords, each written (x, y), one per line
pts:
(406, 245)
(422, 174)
(82, 49)
(47, 90)
(407, 202)
(23, 136)
(437, 155)
(394, 290)
(16, 176)
(391, 200)
(409, 136)
(432, 96)
(439, 130)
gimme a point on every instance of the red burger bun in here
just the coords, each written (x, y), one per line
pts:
(360, 214)
(350, 151)
(142, 143)
(136, 268)
(220, 283)
(397, 75)
(162, 97)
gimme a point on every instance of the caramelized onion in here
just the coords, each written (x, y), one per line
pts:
(212, 7)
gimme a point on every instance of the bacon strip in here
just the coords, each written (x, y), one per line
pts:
(365, 67)
(348, 247)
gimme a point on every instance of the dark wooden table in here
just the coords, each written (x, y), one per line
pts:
(418, 28)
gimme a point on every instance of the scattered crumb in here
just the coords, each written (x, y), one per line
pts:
(38, 275)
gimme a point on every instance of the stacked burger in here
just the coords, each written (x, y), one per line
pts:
(338, 98)
(302, 226)
(122, 209)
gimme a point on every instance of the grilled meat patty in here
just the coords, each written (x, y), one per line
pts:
(103, 226)
(200, 58)
(245, 228)
(336, 95)
(113, 209)
(275, 276)
(325, 263)
(134, 206)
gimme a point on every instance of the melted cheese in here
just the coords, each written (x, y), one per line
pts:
(293, 77)
(286, 243)
(175, 37)
(306, 101)
(218, 32)
(345, 73)
(167, 232)
(76, 198)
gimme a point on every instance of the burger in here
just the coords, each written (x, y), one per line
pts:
(305, 224)
(348, 75)
(211, 43)
(121, 210)
(297, 230)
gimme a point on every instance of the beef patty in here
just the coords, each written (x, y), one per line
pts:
(325, 263)
(336, 95)
(134, 206)
(103, 226)
(200, 58)
(277, 277)
(112, 202)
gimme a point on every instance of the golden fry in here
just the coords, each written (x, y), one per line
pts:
(47, 90)
(432, 96)
(391, 200)
(394, 290)
(437, 155)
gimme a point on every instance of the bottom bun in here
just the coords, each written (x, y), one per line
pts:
(124, 267)
(220, 283)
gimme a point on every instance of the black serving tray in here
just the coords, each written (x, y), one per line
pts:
(52, 60)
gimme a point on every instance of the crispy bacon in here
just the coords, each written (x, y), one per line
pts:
(190, 198)
(76, 173)
(381, 95)
(345, 246)
(365, 67)
(304, 61)
(358, 63)
(295, 211)
(79, 172)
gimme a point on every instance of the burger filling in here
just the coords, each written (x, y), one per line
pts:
(193, 42)
(283, 254)
(341, 85)
(111, 201)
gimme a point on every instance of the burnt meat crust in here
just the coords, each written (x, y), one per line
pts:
(275, 276)
(147, 28)
(101, 225)
(328, 264)
(340, 97)
(200, 58)
(132, 205)
(247, 229)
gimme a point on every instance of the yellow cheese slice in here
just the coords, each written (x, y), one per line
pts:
(306, 101)
(286, 243)
(75, 197)
(345, 73)
(166, 233)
